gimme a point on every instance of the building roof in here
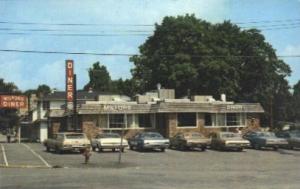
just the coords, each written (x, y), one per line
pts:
(170, 107)
(81, 95)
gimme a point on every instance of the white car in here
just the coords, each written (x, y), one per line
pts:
(108, 141)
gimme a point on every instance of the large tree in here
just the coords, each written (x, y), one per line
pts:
(99, 78)
(296, 102)
(8, 117)
(189, 54)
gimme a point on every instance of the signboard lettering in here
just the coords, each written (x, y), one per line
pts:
(69, 83)
(13, 101)
(116, 107)
(234, 107)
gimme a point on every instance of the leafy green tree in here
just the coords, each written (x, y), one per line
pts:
(99, 78)
(43, 90)
(189, 54)
(296, 102)
(125, 87)
(8, 117)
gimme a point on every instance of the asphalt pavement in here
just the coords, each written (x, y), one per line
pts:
(30, 166)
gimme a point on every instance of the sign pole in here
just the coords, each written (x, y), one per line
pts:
(121, 145)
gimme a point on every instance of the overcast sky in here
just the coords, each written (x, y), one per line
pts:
(27, 71)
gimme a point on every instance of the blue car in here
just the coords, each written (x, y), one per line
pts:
(261, 139)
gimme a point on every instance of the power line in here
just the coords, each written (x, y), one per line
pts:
(77, 34)
(131, 54)
(133, 25)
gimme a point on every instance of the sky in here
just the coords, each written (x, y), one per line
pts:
(120, 17)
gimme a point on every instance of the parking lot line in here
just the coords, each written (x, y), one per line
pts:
(4, 155)
(37, 155)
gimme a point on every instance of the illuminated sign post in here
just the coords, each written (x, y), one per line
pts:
(69, 84)
(13, 101)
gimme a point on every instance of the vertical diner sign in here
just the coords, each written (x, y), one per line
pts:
(69, 84)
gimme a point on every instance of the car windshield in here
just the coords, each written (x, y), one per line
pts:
(152, 135)
(295, 134)
(266, 134)
(193, 135)
(230, 135)
(74, 136)
(109, 135)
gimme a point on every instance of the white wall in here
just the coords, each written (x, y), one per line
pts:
(43, 131)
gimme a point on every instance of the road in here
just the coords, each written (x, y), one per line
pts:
(30, 166)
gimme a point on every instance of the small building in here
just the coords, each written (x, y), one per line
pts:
(158, 111)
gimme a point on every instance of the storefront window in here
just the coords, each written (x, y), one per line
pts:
(233, 119)
(186, 120)
(144, 120)
(117, 121)
(224, 120)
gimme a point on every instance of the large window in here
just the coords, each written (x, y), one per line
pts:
(117, 121)
(225, 120)
(186, 120)
(144, 120)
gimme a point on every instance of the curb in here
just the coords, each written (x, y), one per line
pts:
(25, 166)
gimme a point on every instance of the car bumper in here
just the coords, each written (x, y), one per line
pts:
(196, 145)
(111, 146)
(236, 145)
(74, 148)
(155, 146)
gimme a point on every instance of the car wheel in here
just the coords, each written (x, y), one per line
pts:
(257, 146)
(240, 149)
(122, 149)
(47, 148)
(81, 151)
(99, 149)
(275, 148)
(163, 149)
(203, 148)
(113, 149)
(94, 149)
(131, 147)
(291, 147)
(58, 151)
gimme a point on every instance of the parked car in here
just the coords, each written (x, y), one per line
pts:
(228, 140)
(148, 140)
(67, 141)
(108, 141)
(189, 140)
(260, 140)
(292, 137)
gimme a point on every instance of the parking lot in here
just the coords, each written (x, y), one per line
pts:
(30, 166)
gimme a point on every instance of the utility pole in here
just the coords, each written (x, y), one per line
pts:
(271, 112)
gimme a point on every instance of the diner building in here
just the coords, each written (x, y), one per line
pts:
(160, 111)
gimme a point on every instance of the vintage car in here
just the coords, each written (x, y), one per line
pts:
(108, 141)
(67, 141)
(292, 137)
(189, 140)
(148, 140)
(228, 140)
(261, 139)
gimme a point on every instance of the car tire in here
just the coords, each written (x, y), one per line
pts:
(163, 149)
(47, 148)
(130, 147)
(58, 151)
(94, 149)
(275, 148)
(99, 149)
(113, 149)
(122, 149)
(203, 148)
(240, 149)
(257, 147)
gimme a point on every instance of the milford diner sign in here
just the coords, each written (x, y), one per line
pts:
(13, 101)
